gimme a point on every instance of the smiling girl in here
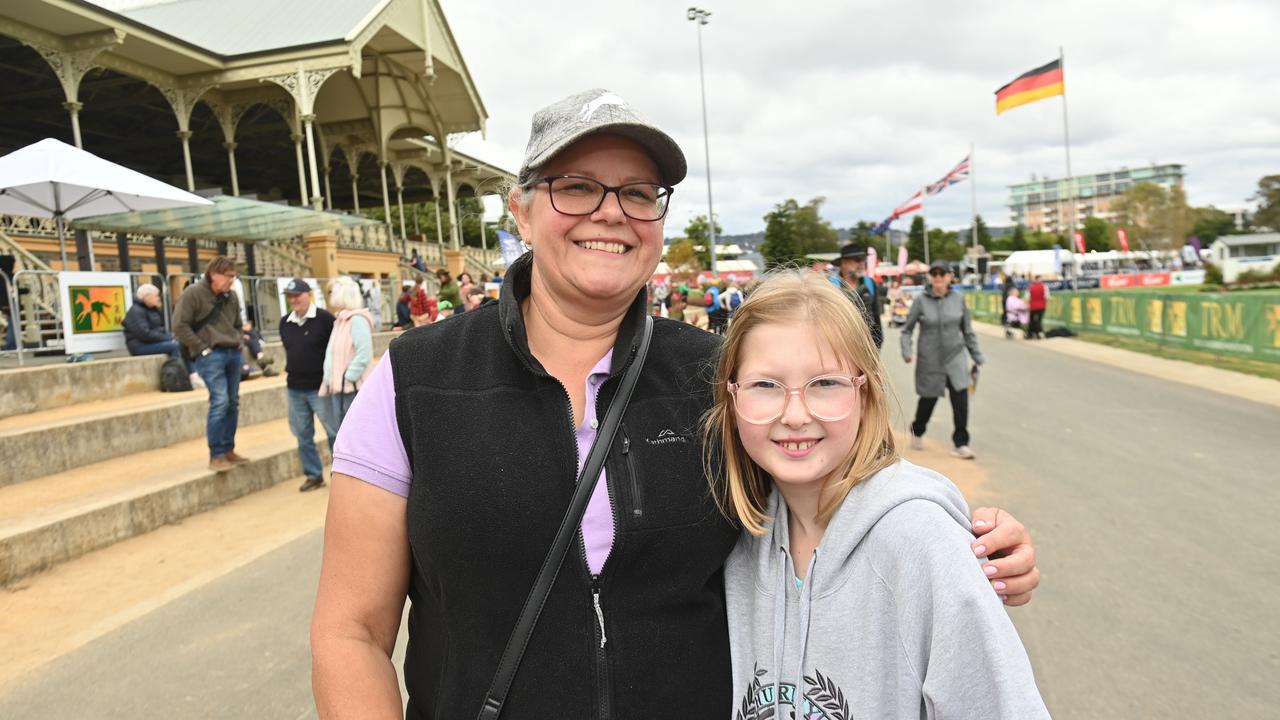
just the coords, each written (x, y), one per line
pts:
(853, 588)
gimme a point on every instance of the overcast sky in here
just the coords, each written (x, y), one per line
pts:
(865, 102)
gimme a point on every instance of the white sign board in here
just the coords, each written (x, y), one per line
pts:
(93, 309)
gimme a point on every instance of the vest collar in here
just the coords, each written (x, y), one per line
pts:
(516, 286)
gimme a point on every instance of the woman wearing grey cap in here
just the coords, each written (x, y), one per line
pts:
(457, 509)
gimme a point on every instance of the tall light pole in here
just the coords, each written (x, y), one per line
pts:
(702, 17)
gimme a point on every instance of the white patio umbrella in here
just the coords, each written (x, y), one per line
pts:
(54, 179)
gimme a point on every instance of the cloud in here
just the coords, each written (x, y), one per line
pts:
(865, 102)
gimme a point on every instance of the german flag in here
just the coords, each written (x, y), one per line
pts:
(1045, 81)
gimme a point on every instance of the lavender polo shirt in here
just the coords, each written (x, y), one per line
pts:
(369, 448)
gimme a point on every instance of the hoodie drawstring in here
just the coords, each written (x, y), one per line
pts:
(806, 597)
(779, 626)
(780, 631)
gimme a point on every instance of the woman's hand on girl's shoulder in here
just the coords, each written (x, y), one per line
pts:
(1011, 565)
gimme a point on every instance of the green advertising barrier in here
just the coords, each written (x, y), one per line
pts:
(1246, 325)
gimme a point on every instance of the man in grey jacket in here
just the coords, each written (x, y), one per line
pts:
(946, 331)
(206, 321)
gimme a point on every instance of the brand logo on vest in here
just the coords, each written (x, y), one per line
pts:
(667, 437)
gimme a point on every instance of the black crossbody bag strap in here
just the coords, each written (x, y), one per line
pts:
(533, 605)
(198, 325)
(218, 302)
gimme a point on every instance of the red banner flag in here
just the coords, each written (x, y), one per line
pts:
(1123, 237)
(1080, 242)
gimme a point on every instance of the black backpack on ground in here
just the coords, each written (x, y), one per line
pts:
(174, 377)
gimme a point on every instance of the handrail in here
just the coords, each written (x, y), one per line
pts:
(12, 317)
(26, 255)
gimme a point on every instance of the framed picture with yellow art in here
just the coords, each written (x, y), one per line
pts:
(93, 309)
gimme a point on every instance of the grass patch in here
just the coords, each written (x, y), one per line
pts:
(1259, 368)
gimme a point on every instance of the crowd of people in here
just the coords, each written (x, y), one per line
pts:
(416, 307)
(328, 355)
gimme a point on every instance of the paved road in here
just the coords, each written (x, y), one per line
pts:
(1153, 505)
(1154, 510)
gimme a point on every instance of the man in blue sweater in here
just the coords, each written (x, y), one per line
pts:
(305, 334)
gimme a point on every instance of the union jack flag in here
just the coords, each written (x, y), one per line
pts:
(958, 173)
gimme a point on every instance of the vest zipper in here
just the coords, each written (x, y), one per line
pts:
(637, 507)
(602, 657)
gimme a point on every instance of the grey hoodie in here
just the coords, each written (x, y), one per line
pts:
(895, 618)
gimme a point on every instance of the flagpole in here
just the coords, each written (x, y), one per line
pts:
(924, 225)
(1066, 142)
(973, 195)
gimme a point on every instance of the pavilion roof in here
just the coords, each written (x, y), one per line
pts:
(219, 25)
(233, 219)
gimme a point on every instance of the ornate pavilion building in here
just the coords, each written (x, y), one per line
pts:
(327, 107)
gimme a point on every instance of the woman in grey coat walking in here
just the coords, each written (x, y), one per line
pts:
(946, 331)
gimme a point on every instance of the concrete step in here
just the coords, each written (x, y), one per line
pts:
(64, 515)
(53, 441)
(41, 387)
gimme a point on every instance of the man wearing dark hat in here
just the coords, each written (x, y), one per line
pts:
(305, 333)
(853, 268)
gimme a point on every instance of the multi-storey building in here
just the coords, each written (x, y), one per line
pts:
(1045, 204)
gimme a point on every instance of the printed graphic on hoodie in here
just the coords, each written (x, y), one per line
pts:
(823, 700)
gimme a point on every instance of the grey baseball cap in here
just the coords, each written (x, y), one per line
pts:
(563, 123)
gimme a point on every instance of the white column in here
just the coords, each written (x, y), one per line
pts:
(439, 223)
(400, 204)
(302, 173)
(231, 160)
(74, 108)
(455, 238)
(308, 122)
(185, 136)
(355, 191)
(386, 198)
(328, 193)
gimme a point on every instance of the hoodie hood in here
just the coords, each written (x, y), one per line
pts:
(866, 503)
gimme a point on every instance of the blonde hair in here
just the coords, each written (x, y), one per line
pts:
(344, 294)
(740, 487)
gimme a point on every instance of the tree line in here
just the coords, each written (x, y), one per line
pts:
(1153, 217)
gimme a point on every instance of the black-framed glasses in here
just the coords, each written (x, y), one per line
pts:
(578, 195)
(761, 401)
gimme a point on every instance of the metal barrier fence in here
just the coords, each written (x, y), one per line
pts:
(1241, 324)
(36, 323)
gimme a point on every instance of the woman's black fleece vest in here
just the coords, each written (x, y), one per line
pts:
(489, 437)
